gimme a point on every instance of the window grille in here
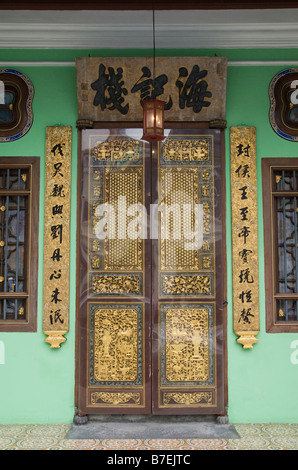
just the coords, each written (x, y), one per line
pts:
(281, 238)
(18, 243)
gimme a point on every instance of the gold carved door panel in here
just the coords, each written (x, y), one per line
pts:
(187, 289)
(150, 314)
(114, 343)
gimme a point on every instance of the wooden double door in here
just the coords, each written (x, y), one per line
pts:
(150, 322)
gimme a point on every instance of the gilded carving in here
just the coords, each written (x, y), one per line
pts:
(123, 253)
(186, 284)
(206, 218)
(116, 284)
(180, 185)
(178, 188)
(95, 262)
(116, 344)
(97, 191)
(247, 339)
(55, 338)
(206, 262)
(96, 175)
(206, 174)
(56, 234)
(186, 150)
(95, 245)
(116, 180)
(245, 234)
(188, 398)
(116, 398)
(278, 178)
(206, 245)
(187, 353)
(117, 150)
(205, 190)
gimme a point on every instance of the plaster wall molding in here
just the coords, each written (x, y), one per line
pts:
(133, 29)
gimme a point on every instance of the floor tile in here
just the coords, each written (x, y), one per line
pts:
(52, 437)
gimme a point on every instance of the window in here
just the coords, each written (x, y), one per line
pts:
(280, 206)
(19, 210)
(16, 97)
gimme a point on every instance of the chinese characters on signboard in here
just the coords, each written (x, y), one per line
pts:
(112, 89)
(56, 235)
(244, 234)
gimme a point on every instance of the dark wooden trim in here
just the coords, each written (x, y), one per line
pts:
(77, 327)
(285, 193)
(286, 296)
(224, 262)
(147, 5)
(14, 192)
(13, 295)
(269, 243)
(33, 248)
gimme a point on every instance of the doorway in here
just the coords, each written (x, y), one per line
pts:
(151, 277)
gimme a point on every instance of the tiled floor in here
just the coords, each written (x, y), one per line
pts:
(52, 437)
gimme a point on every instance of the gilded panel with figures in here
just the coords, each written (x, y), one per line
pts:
(116, 344)
(186, 354)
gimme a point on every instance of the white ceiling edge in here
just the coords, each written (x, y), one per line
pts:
(231, 63)
(195, 29)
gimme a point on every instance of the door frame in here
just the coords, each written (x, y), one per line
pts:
(173, 125)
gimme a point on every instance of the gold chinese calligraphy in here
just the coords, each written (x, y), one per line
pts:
(56, 235)
(244, 234)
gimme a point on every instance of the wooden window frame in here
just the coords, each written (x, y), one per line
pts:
(31, 270)
(270, 256)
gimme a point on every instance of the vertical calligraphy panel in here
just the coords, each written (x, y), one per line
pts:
(56, 235)
(244, 234)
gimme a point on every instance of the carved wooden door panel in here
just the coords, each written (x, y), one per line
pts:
(187, 303)
(115, 282)
(150, 336)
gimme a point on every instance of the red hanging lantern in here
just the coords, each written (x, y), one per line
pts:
(153, 120)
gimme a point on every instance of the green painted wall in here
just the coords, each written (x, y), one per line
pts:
(263, 382)
(36, 382)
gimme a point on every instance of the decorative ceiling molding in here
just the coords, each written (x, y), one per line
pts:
(147, 5)
(133, 29)
(231, 63)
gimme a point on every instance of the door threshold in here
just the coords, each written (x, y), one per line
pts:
(152, 427)
(152, 418)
